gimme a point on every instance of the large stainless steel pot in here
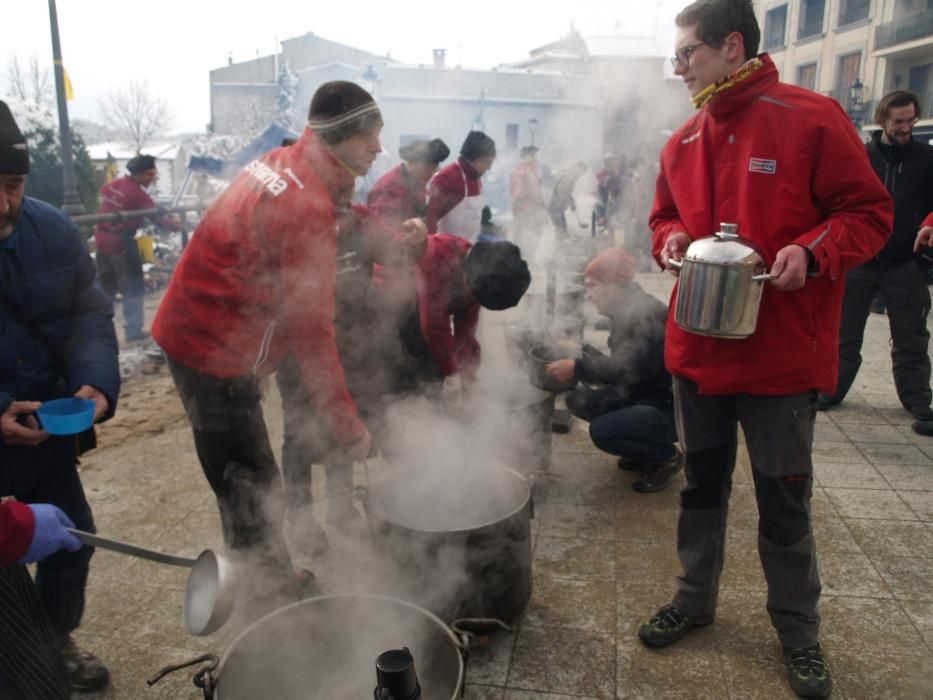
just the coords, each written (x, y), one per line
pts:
(721, 280)
(461, 537)
(327, 647)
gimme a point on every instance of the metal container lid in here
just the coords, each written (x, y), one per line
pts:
(726, 247)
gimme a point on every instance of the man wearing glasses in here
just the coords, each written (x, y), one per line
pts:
(786, 165)
(905, 166)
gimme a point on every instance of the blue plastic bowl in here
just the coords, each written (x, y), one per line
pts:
(66, 416)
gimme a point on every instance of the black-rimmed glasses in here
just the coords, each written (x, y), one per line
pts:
(682, 56)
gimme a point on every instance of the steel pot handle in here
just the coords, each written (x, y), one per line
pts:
(678, 264)
(203, 678)
(763, 277)
(468, 639)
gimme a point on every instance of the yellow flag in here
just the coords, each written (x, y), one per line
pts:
(69, 91)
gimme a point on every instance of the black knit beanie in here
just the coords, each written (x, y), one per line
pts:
(477, 145)
(497, 277)
(14, 153)
(341, 109)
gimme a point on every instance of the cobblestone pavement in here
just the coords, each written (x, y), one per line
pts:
(604, 560)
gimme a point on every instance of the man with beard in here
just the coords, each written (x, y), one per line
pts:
(905, 166)
(255, 284)
(56, 340)
(786, 165)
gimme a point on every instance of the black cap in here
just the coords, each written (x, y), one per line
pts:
(140, 164)
(496, 274)
(422, 151)
(14, 153)
(477, 145)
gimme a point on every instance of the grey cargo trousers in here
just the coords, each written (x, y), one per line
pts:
(779, 436)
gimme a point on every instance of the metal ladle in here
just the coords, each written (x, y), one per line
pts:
(210, 591)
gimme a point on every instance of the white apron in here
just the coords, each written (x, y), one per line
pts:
(465, 219)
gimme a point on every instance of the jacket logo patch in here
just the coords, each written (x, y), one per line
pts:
(689, 139)
(761, 165)
(267, 177)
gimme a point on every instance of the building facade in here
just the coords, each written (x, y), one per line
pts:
(856, 51)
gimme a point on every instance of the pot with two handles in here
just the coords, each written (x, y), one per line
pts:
(720, 285)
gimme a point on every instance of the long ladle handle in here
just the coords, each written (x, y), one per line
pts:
(131, 549)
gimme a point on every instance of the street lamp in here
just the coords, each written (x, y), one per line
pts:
(370, 78)
(71, 202)
(856, 101)
(532, 127)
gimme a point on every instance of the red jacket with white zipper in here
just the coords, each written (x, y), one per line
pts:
(786, 165)
(257, 279)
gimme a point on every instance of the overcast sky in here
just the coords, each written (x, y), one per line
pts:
(174, 43)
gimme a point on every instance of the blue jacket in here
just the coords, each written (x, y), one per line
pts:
(45, 267)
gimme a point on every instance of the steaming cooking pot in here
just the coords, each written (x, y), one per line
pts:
(326, 647)
(463, 539)
(720, 285)
(543, 355)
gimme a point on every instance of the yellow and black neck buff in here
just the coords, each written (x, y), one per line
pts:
(710, 91)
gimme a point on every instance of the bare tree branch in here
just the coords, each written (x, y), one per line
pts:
(136, 113)
(31, 84)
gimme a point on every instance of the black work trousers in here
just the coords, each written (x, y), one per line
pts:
(233, 447)
(48, 473)
(779, 436)
(907, 298)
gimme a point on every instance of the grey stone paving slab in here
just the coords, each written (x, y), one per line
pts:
(908, 577)
(892, 537)
(838, 453)
(876, 434)
(565, 557)
(756, 676)
(870, 503)
(489, 664)
(862, 676)
(589, 606)
(851, 574)
(848, 475)
(687, 669)
(563, 660)
(869, 625)
(919, 502)
(920, 613)
(908, 477)
(571, 520)
(895, 454)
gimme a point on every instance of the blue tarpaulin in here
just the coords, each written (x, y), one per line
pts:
(265, 142)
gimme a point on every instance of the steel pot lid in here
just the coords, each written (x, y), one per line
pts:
(726, 247)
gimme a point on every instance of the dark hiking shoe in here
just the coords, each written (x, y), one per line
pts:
(824, 402)
(86, 673)
(655, 476)
(808, 672)
(669, 625)
(923, 427)
(921, 413)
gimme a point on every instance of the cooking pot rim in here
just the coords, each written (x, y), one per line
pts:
(525, 502)
(457, 644)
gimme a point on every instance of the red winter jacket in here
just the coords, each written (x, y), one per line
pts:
(525, 188)
(17, 524)
(122, 194)
(257, 279)
(446, 190)
(448, 319)
(787, 166)
(396, 197)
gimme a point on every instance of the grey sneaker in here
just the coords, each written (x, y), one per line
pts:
(669, 625)
(86, 673)
(808, 672)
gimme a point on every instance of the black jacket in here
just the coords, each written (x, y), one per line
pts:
(636, 344)
(907, 174)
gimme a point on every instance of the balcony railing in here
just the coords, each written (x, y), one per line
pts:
(808, 30)
(856, 14)
(905, 29)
